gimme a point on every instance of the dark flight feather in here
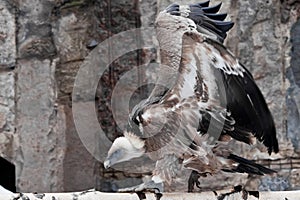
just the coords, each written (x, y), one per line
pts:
(247, 105)
(250, 167)
(219, 17)
(212, 9)
(208, 18)
(203, 4)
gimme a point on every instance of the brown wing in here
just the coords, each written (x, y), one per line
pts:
(226, 84)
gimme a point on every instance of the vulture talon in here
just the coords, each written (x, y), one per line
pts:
(238, 189)
(193, 180)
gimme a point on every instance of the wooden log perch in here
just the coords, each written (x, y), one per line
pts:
(95, 195)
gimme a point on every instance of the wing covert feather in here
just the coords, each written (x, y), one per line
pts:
(229, 85)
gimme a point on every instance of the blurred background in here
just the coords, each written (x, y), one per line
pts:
(43, 43)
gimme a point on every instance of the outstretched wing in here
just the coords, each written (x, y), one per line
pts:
(204, 19)
(208, 74)
(225, 90)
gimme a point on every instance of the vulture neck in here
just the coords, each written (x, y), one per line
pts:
(169, 35)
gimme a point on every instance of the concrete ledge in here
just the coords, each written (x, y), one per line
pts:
(91, 194)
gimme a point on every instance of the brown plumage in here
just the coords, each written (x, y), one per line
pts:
(208, 98)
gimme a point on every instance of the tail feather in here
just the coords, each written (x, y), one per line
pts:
(248, 166)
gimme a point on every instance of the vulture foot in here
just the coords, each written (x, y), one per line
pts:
(238, 189)
(194, 180)
(150, 186)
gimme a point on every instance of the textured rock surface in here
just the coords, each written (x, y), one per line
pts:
(68, 32)
(7, 101)
(7, 82)
(38, 158)
(40, 57)
(7, 35)
(70, 26)
(38, 155)
(293, 93)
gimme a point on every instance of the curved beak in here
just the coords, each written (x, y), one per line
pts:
(106, 164)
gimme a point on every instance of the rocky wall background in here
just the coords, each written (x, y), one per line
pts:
(43, 43)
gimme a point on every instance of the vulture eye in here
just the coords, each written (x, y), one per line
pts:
(136, 120)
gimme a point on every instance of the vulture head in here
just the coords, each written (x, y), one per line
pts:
(124, 149)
